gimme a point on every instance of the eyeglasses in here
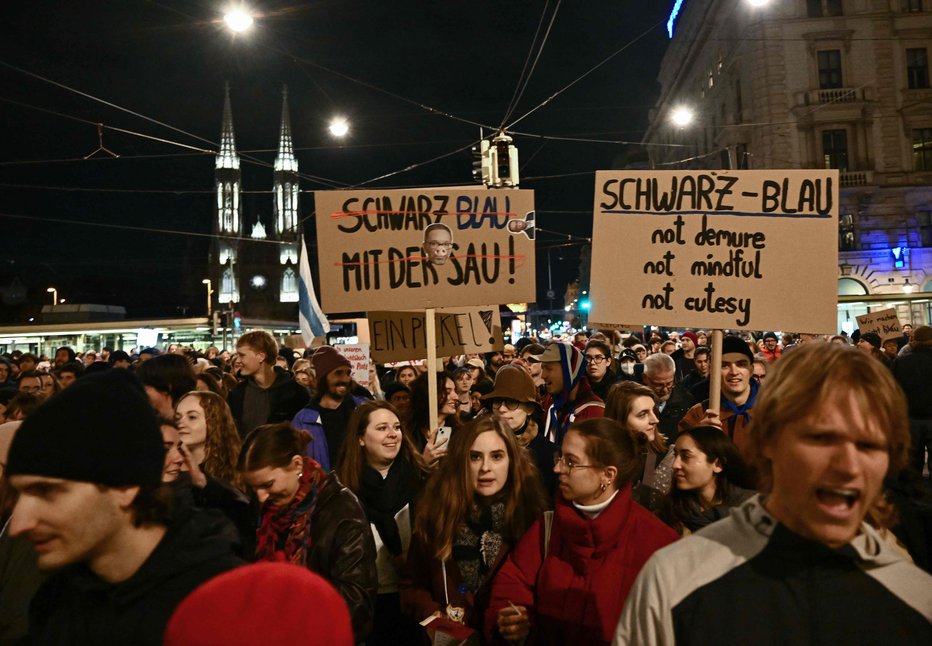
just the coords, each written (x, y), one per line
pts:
(444, 245)
(568, 463)
(510, 404)
(595, 358)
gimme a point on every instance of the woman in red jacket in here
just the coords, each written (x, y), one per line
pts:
(567, 583)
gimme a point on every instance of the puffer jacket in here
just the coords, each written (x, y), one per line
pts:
(575, 594)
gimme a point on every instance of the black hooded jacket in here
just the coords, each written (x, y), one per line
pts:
(76, 607)
(286, 398)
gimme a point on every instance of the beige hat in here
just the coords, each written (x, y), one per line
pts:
(513, 382)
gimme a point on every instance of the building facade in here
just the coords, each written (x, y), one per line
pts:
(254, 258)
(816, 84)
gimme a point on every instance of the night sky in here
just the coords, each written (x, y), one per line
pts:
(168, 61)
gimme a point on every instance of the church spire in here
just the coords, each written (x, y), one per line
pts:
(227, 157)
(285, 159)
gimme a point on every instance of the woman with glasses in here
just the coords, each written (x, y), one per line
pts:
(599, 367)
(482, 499)
(567, 579)
(634, 407)
(514, 401)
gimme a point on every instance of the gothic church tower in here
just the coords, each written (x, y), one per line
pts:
(227, 224)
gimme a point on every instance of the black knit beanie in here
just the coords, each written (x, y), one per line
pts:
(101, 430)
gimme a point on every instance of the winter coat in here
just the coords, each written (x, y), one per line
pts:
(914, 374)
(343, 551)
(422, 591)
(587, 405)
(309, 419)
(735, 428)
(673, 411)
(286, 395)
(75, 607)
(575, 594)
(750, 580)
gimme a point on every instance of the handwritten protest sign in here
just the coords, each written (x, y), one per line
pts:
(751, 250)
(422, 248)
(400, 336)
(358, 355)
(885, 323)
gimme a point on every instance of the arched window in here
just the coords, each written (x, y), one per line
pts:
(851, 287)
(289, 293)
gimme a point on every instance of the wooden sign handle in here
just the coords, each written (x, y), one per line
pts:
(715, 374)
(430, 324)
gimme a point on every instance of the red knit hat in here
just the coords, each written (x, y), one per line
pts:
(262, 603)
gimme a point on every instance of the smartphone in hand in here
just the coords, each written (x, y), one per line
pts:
(443, 435)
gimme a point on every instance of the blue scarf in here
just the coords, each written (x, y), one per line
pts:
(744, 409)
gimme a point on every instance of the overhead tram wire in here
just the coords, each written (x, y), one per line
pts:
(411, 167)
(126, 227)
(584, 75)
(522, 79)
(321, 180)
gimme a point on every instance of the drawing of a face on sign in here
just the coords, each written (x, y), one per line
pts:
(438, 243)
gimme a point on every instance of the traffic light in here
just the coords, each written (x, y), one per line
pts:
(504, 162)
(481, 166)
(237, 321)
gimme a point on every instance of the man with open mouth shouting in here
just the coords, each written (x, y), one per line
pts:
(799, 565)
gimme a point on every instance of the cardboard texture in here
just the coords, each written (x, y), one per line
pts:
(402, 336)
(372, 253)
(358, 355)
(884, 322)
(738, 250)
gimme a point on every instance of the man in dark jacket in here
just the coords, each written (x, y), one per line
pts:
(672, 399)
(913, 371)
(267, 394)
(88, 466)
(785, 568)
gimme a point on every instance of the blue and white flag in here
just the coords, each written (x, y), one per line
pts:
(311, 319)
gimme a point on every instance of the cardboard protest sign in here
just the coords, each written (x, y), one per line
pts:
(885, 323)
(423, 248)
(358, 355)
(744, 250)
(400, 336)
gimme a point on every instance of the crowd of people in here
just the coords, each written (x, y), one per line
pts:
(582, 490)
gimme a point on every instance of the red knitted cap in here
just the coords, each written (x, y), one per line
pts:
(262, 603)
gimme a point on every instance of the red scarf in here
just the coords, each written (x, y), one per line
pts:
(285, 531)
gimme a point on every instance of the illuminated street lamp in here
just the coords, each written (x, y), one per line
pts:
(682, 116)
(758, 3)
(238, 19)
(210, 293)
(339, 126)
(54, 293)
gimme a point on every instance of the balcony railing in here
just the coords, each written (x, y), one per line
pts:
(857, 178)
(835, 95)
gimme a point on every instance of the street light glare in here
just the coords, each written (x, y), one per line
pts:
(339, 126)
(682, 116)
(758, 3)
(238, 20)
